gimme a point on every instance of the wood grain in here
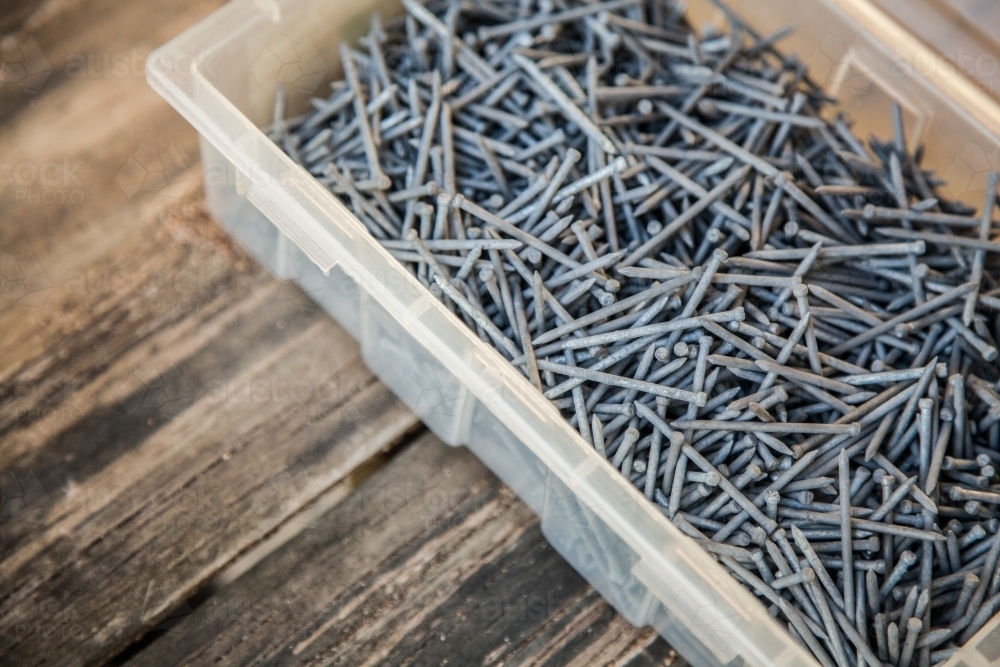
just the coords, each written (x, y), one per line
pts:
(430, 561)
(167, 410)
(178, 467)
(74, 45)
(164, 404)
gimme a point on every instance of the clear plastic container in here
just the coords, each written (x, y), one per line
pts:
(964, 33)
(222, 75)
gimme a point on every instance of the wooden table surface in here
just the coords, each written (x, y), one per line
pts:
(197, 468)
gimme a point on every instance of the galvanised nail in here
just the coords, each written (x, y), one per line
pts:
(805, 576)
(926, 406)
(909, 606)
(903, 564)
(951, 463)
(751, 474)
(529, 352)
(877, 293)
(970, 583)
(677, 483)
(426, 255)
(892, 636)
(820, 598)
(913, 628)
(375, 174)
(598, 436)
(477, 315)
(853, 428)
(952, 240)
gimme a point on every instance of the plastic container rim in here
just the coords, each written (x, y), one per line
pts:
(177, 84)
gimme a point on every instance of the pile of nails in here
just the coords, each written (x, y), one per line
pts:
(783, 336)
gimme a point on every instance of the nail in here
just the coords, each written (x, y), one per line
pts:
(913, 628)
(564, 289)
(903, 564)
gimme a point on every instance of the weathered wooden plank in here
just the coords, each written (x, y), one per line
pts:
(133, 360)
(146, 364)
(151, 430)
(164, 404)
(66, 43)
(107, 291)
(166, 440)
(155, 523)
(430, 561)
(69, 192)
